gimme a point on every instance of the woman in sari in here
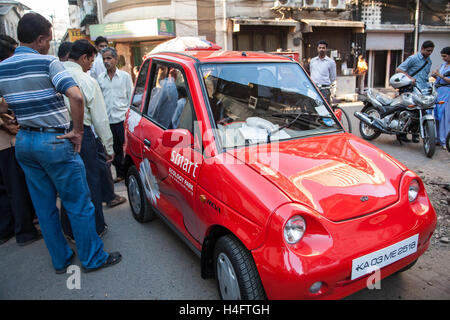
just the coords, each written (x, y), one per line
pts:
(442, 111)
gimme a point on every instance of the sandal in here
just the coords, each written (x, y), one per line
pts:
(113, 258)
(118, 179)
(116, 201)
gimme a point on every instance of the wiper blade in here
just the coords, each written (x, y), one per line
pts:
(297, 118)
(283, 114)
(290, 123)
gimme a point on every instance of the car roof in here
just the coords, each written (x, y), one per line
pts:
(205, 56)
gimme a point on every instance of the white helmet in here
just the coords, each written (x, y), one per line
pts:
(400, 80)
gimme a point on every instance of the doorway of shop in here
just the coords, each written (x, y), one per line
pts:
(382, 65)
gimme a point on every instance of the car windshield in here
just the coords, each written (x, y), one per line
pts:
(264, 102)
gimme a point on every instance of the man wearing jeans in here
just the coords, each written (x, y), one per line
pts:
(32, 83)
(417, 67)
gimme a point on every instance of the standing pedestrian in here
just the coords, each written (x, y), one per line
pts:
(442, 111)
(117, 89)
(106, 181)
(323, 70)
(360, 71)
(417, 67)
(64, 50)
(31, 82)
(81, 56)
(16, 208)
(98, 67)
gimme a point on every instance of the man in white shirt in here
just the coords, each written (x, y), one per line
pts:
(323, 70)
(98, 67)
(79, 61)
(117, 88)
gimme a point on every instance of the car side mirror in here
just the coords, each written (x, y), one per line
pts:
(177, 138)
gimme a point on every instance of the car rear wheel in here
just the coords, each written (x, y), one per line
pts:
(140, 207)
(236, 273)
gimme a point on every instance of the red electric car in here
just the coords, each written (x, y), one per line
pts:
(239, 153)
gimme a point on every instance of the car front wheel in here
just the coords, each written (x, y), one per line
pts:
(140, 206)
(236, 273)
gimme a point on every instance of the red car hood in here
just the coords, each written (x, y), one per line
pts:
(340, 176)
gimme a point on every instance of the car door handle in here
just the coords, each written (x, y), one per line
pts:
(147, 142)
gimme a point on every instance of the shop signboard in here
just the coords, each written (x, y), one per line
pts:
(75, 34)
(133, 29)
(112, 5)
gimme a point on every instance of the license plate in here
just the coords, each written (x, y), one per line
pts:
(384, 257)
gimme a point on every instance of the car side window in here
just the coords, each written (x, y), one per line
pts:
(170, 105)
(140, 86)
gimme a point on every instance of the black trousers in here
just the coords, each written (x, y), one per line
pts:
(106, 179)
(326, 94)
(90, 159)
(118, 133)
(16, 209)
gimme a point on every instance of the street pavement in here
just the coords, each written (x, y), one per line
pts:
(157, 265)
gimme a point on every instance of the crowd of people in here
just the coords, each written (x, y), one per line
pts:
(62, 126)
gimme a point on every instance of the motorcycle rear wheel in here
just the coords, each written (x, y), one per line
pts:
(429, 143)
(366, 131)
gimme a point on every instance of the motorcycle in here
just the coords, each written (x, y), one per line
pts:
(404, 114)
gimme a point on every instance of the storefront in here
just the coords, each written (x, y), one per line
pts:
(345, 40)
(266, 35)
(385, 45)
(134, 39)
(440, 36)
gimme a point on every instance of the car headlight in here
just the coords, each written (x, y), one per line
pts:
(294, 229)
(413, 190)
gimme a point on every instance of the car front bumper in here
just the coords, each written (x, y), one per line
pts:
(287, 273)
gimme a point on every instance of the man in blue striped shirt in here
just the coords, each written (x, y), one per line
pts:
(32, 83)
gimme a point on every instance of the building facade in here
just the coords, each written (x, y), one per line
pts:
(395, 29)
(137, 26)
(10, 14)
(384, 31)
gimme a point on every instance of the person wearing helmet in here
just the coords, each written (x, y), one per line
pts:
(417, 68)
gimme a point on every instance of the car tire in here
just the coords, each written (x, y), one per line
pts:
(236, 274)
(140, 207)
